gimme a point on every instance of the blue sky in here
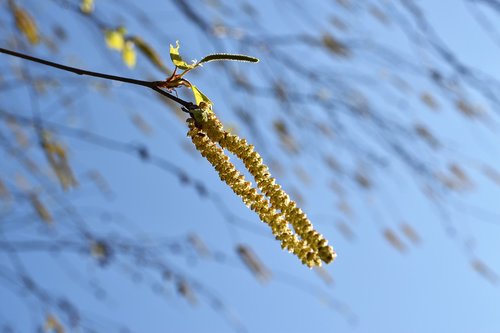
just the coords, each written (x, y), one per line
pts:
(430, 287)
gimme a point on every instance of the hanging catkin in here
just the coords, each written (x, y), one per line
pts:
(273, 205)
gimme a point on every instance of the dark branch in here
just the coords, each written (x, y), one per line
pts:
(149, 84)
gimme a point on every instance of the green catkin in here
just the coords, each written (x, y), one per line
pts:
(273, 206)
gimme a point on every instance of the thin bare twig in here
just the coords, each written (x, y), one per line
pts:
(149, 84)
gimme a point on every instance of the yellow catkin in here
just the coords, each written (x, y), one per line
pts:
(273, 206)
(58, 161)
(87, 6)
(25, 23)
(53, 324)
(278, 198)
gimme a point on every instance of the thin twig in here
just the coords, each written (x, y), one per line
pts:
(149, 84)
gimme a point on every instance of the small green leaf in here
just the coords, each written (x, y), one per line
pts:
(177, 59)
(204, 105)
(115, 39)
(227, 57)
(128, 54)
(199, 96)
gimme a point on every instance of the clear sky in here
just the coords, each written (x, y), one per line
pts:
(428, 287)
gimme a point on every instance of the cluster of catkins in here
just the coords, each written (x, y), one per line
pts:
(268, 200)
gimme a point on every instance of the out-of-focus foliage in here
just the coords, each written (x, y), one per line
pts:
(25, 23)
(364, 111)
